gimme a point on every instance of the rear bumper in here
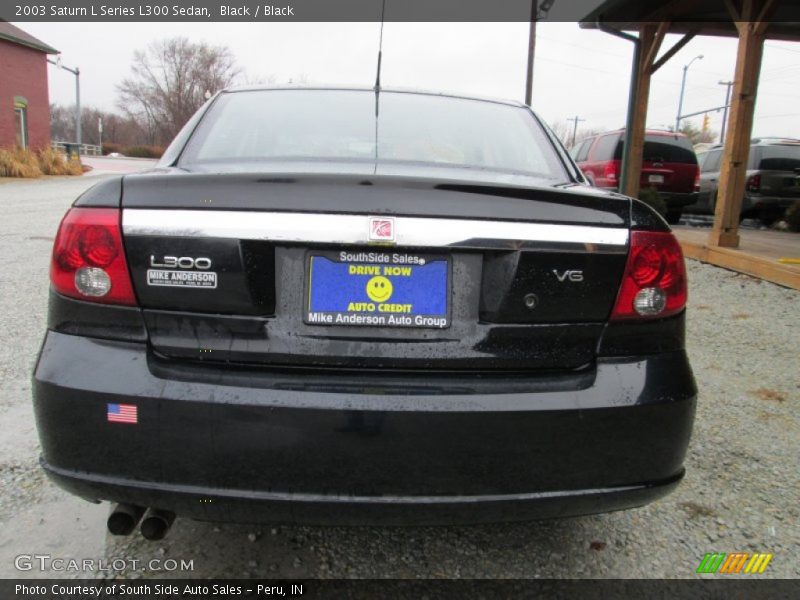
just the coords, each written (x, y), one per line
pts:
(256, 446)
(757, 202)
(678, 200)
(751, 204)
(253, 506)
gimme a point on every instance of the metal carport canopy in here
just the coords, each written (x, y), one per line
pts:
(752, 21)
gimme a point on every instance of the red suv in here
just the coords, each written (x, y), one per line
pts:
(669, 165)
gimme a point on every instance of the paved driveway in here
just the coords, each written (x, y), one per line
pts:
(741, 492)
(106, 164)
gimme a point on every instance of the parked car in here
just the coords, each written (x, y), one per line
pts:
(669, 165)
(316, 311)
(772, 184)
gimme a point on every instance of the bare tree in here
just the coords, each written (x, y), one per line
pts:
(62, 123)
(697, 136)
(258, 79)
(168, 83)
(118, 129)
(564, 129)
(585, 133)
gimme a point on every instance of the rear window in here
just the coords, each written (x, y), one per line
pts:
(712, 161)
(606, 145)
(779, 157)
(701, 159)
(341, 125)
(583, 150)
(664, 149)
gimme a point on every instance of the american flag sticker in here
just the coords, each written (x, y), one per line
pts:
(122, 413)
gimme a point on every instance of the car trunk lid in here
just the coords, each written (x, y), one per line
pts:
(224, 265)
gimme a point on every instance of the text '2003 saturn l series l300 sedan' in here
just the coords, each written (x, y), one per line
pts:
(339, 306)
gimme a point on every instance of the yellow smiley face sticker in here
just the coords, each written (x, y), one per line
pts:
(379, 289)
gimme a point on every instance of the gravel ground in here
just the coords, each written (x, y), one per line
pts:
(740, 494)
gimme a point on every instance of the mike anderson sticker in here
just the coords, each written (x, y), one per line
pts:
(193, 279)
(379, 289)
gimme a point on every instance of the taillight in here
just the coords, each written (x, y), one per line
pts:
(88, 258)
(610, 171)
(754, 183)
(654, 284)
(697, 179)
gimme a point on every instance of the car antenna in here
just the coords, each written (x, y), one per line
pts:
(378, 82)
(380, 55)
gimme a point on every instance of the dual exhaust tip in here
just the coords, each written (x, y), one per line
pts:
(155, 523)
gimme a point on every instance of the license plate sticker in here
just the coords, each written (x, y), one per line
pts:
(378, 289)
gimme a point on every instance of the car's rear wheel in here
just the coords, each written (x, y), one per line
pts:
(768, 216)
(673, 215)
(713, 207)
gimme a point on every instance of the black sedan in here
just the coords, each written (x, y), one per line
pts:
(343, 306)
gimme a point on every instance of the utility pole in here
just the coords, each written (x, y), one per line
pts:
(576, 119)
(725, 110)
(531, 53)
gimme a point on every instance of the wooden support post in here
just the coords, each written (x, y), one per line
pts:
(725, 231)
(650, 38)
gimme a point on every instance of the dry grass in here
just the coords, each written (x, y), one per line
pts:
(767, 394)
(693, 509)
(52, 162)
(597, 545)
(19, 163)
(26, 163)
(784, 420)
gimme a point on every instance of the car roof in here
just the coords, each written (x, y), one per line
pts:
(769, 141)
(357, 88)
(762, 141)
(660, 132)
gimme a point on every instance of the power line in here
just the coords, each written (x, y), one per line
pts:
(617, 55)
(574, 66)
(782, 48)
(581, 46)
(596, 70)
(777, 116)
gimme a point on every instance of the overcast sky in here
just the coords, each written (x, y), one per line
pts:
(577, 72)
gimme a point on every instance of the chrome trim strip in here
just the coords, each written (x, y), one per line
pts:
(341, 229)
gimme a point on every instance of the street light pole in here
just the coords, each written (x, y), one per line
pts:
(539, 10)
(725, 110)
(77, 72)
(683, 88)
(531, 53)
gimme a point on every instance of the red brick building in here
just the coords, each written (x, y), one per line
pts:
(24, 101)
